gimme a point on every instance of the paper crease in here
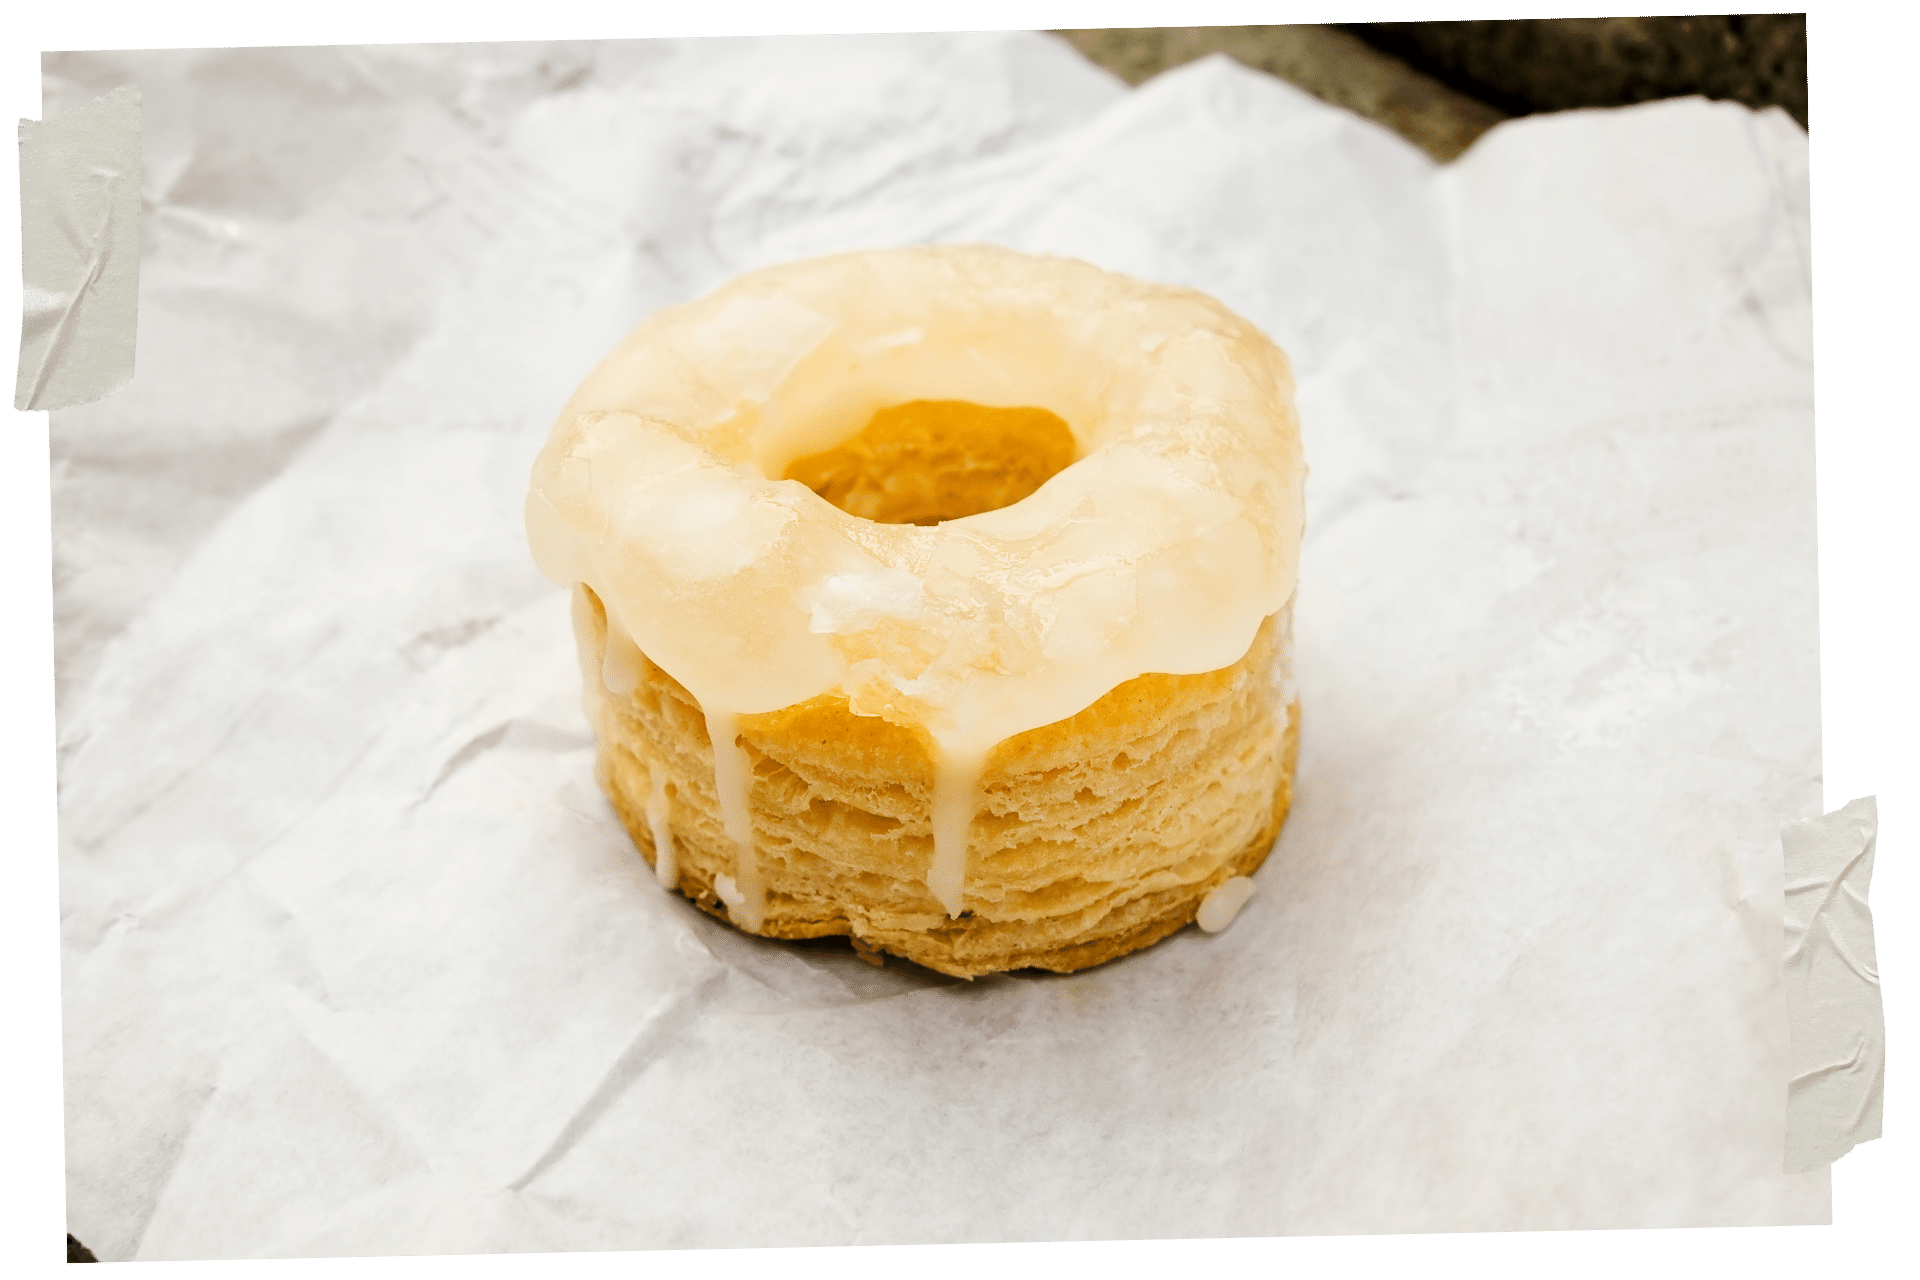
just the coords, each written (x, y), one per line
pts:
(656, 1035)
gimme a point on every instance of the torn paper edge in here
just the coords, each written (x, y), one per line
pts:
(79, 252)
(1839, 1041)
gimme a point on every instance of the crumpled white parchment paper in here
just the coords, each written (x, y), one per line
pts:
(357, 960)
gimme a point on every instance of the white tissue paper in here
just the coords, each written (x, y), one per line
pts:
(79, 251)
(357, 961)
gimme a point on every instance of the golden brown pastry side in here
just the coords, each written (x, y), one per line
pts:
(1095, 836)
(931, 460)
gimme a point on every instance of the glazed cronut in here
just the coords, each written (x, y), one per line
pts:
(1095, 836)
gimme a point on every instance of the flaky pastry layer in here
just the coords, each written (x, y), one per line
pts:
(1096, 835)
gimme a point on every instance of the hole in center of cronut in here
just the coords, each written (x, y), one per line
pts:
(933, 460)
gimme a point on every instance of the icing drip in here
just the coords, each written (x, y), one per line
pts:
(1218, 909)
(956, 794)
(620, 669)
(732, 776)
(591, 697)
(666, 860)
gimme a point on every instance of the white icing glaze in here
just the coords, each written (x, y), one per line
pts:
(729, 893)
(592, 694)
(620, 668)
(732, 777)
(1160, 549)
(666, 860)
(850, 602)
(956, 794)
(1219, 908)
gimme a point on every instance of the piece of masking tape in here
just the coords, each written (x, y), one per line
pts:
(1833, 987)
(80, 252)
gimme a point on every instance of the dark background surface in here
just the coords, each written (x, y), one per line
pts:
(1526, 66)
(1440, 85)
